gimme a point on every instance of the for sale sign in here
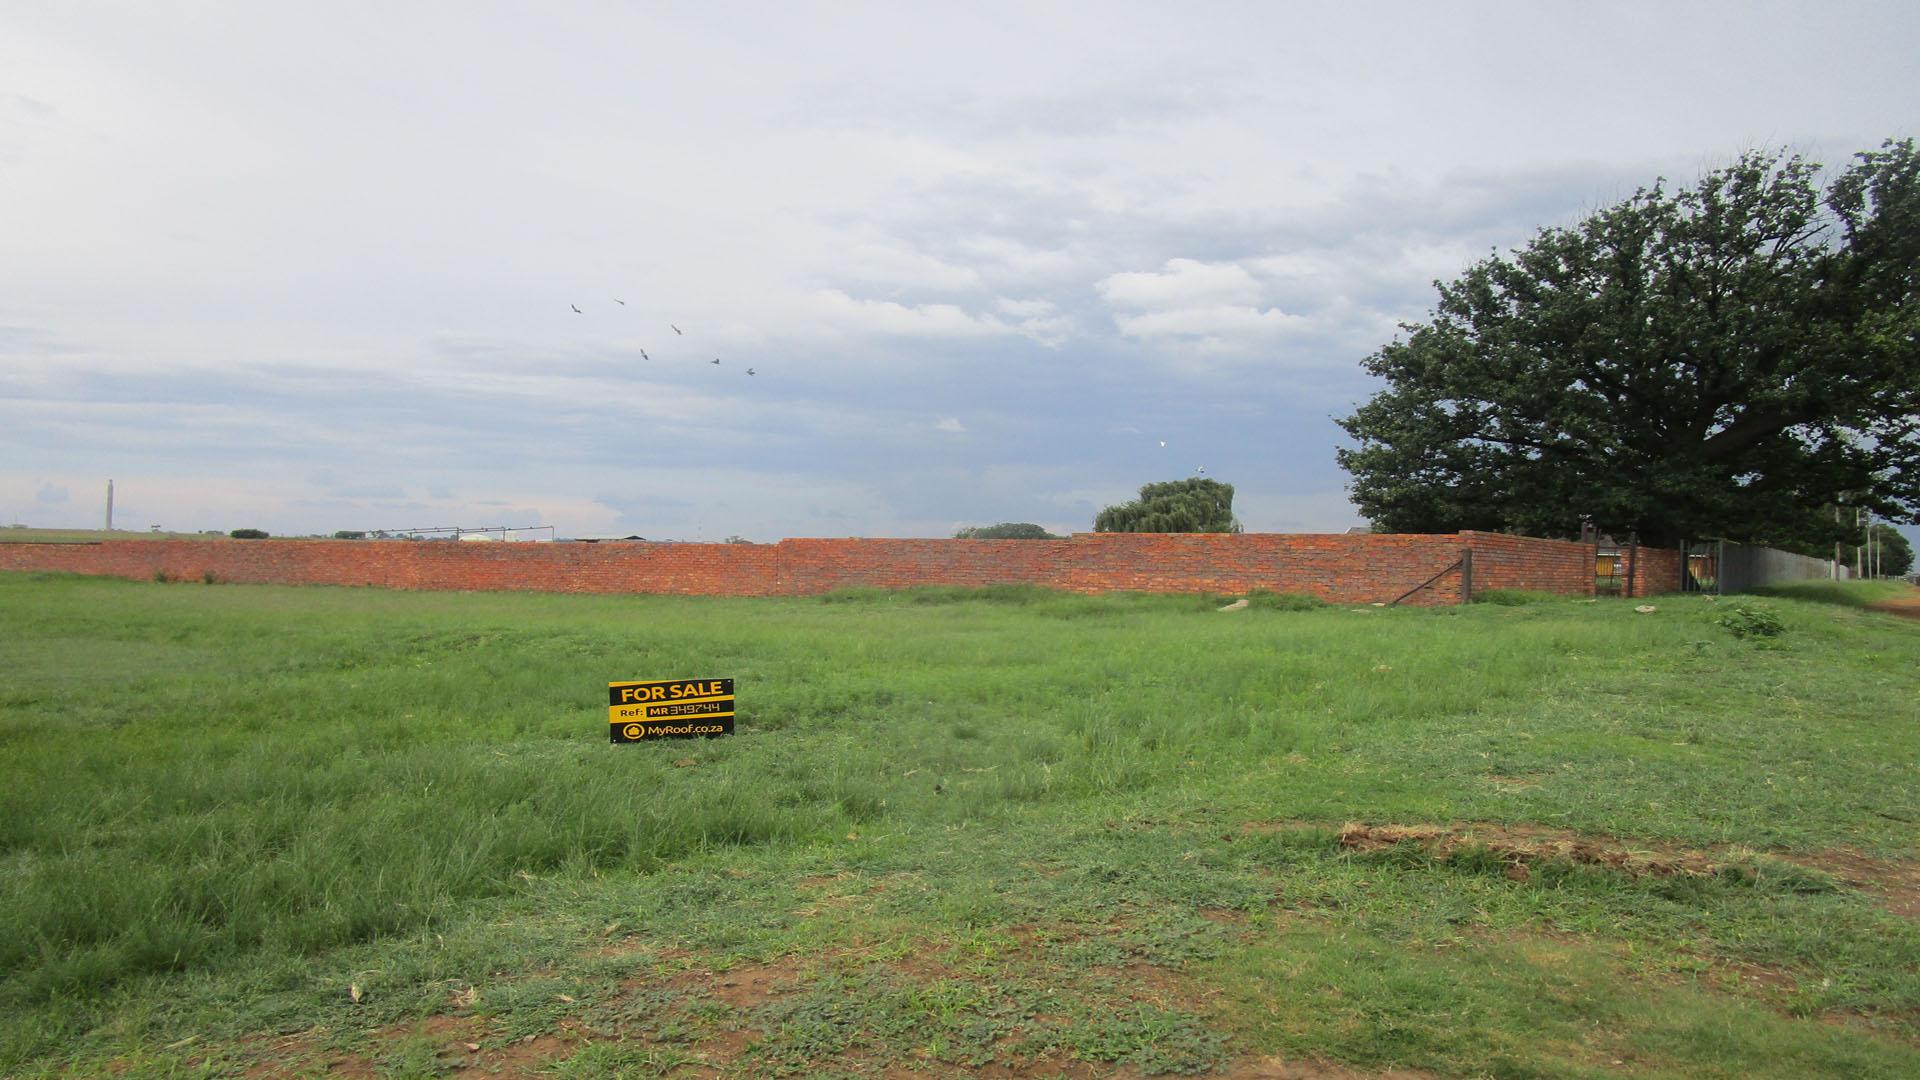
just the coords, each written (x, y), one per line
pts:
(669, 709)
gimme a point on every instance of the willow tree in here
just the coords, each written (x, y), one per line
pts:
(1197, 505)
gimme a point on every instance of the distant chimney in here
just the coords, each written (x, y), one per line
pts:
(109, 506)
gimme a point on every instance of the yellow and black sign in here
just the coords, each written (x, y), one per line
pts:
(669, 709)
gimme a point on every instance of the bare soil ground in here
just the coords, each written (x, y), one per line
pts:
(1907, 606)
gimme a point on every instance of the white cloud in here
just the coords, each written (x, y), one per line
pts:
(1184, 283)
(1219, 323)
(1040, 320)
(1210, 307)
(951, 425)
(885, 317)
(891, 265)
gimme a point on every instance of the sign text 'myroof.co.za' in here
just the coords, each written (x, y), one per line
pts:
(669, 709)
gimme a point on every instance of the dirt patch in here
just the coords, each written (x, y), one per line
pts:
(747, 987)
(1511, 783)
(298, 1054)
(459, 1048)
(1273, 1068)
(1774, 980)
(924, 966)
(1522, 846)
(742, 987)
(1896, 885)
(1138, 981)
(1907, 605)
(821, 881)
(723, 1047)
(528, 1057)
(292, 1063)
(1048, 1066)
(1900, 1025)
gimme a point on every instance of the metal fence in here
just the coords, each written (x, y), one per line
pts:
(1723, 566)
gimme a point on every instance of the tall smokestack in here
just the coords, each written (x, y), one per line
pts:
(109, 506)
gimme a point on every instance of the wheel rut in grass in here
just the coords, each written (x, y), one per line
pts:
(1896, 885)
(1893, 884)
(1521, 848)
(1907, 605)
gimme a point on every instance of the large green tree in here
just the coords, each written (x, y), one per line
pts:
(1197, 505)
(1724, 360)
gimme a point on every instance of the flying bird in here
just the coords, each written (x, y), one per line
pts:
(576, 310)
(619, 301)
(749, 370)
(1163, 444)
(644, 356)
(716, 359)
(677, 330)
(1202, 470)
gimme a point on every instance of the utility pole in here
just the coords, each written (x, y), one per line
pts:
(1857, 568)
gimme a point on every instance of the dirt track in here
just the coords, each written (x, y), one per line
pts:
(1908, 605)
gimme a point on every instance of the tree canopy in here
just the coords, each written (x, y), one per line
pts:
(1006, 530)
(1176, 506)
(1724, 360)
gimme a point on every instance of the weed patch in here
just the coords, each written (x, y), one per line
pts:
(1749, 618)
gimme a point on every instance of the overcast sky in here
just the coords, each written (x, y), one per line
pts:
(312, 267)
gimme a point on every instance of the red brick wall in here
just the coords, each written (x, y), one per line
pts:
(1653, 570)
(1335, 567)
(1340, 568)
(1501, 561)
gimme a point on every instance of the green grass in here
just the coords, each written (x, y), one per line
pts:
(961, 827)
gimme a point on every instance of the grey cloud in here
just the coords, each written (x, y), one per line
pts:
(1136, 104)
(373, 493)
(33, 107)
(642, 506)
(381, 290)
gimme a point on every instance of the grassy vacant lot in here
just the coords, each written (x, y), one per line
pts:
(284, 832)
